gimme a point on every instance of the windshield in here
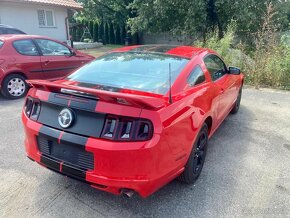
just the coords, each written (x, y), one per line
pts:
(147, 72)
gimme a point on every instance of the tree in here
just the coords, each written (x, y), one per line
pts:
(95, 31)
(113, 11)
(111, 34)
(200, 17)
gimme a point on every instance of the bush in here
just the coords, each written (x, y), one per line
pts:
(268, 65)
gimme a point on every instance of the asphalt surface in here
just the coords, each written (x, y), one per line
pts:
(246, 174)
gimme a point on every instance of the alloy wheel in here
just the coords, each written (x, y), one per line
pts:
(200, 152)
(16, 87)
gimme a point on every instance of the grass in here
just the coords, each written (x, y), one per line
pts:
(267, 65)
(96, 52)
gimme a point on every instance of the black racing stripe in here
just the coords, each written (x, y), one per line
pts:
(73, 172)
(74, 139)
(50, 162)
(60, 99)
(73, 101)
(54, 134)
(49, 133)
(53, 69)
(85, 123)
(83, 104)
(67, 170)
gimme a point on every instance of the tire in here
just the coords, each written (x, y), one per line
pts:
(196, 159)
(14, 86)
(237, 103)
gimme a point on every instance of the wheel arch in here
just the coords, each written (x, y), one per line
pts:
(13, 72)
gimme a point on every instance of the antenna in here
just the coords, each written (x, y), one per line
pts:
(170, 95)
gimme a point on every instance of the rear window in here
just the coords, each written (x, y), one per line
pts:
(148, 72)
(14, 31)
(1, 44)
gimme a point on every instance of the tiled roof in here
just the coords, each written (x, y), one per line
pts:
(64, 3)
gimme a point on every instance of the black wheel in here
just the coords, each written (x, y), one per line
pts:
(14, 86)
(237, 103)
(196, 159)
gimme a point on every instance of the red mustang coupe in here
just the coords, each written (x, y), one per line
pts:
(134, 119)
(34, 57)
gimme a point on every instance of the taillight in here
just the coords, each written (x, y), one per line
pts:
(28, 106)
(127, 129)
(32, 108)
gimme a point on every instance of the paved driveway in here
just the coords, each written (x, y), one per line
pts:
(247, 172)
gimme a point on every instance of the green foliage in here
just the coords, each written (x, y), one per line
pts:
(200, 18)
(113, 11)
(268, 65)
(175, 16)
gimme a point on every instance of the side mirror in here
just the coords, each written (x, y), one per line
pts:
(234, 71)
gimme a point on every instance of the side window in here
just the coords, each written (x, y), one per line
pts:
(25, 47)
(215, 66)
(196, 76)
(51, 48)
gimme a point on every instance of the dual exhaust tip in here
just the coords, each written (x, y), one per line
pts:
(127, 193)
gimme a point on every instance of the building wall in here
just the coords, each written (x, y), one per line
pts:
(24, 16)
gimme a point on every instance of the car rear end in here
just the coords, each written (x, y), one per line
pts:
(108, 135)
(109, 145)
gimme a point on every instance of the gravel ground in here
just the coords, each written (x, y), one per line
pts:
(246, 174)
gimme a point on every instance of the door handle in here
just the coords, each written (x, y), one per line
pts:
(222, 91)
(46, 62)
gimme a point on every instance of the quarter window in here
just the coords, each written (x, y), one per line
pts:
(215, 66)
(45, 18)
(51, 48)
(25, 47)
(196, 76)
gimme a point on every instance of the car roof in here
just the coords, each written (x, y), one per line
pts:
(6, 26)
(176, 50)
(8, 37)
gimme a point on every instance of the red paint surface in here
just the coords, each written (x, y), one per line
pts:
(147, 166)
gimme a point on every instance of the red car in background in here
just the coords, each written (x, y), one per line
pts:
(134, 119)
(25, 57)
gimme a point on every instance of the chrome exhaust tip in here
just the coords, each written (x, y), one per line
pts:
(128, 193)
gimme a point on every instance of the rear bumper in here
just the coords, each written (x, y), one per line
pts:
(117, 166)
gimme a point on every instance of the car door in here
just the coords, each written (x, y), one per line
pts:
(57, 59)
(27, 58)
(220, 77)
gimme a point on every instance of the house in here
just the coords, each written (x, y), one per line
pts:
(39, 17)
